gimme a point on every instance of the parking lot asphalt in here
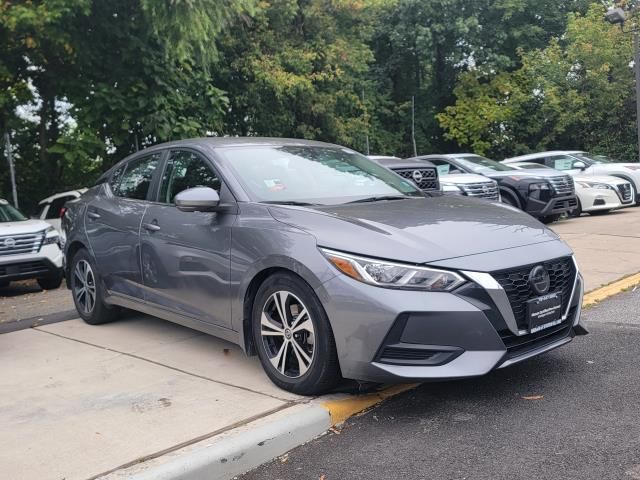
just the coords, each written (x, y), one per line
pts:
(569, 414)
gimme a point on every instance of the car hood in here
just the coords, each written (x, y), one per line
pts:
(462, 178)
(418, 230)
(26, 226)
(600, 178)
(529, 173)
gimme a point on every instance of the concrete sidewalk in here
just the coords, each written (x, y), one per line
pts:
(607, 247)
(139, 396)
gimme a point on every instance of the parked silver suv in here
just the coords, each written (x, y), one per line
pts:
(322, 262)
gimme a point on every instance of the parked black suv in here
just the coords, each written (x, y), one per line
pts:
(422, 173)
(544, 194)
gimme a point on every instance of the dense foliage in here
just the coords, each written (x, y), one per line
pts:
(83, 83)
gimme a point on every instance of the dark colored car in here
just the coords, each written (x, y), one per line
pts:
(320, 261)
(418, 170)
(543, 194)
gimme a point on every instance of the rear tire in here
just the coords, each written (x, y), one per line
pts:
(298, 353)
(87, 290)
(50, 283)
(550, 218)
(575, 213)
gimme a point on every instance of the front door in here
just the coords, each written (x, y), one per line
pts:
(113, 224)
(185, 256)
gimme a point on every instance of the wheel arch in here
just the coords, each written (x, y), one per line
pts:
(249, 297)
(512, 193)
(74, 247)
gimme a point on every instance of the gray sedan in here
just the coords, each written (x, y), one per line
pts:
(323, 263)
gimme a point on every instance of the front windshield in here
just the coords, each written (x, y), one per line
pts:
(591, 159)
(482, 165)
(312, 174)
(10, 214)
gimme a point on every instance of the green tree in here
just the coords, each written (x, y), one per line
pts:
(575, 93)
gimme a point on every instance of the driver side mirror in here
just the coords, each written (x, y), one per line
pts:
(579, 165)
(197, 199)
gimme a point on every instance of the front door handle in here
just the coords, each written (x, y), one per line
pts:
(151, 227)
(93, 215)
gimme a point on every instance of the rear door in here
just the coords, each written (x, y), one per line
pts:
(113, 224)
(185, 256)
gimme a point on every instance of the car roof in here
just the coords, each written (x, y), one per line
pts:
(391, 162)
(51, 198)
(522, 158)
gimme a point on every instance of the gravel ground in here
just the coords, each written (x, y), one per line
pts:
(24, 300)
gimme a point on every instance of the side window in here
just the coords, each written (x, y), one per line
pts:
(562, 163)
(442, 167)
(135, 181)
(186, 170)
(56, 206)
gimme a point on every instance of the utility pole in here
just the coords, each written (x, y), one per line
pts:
(12, 173)
(413, 125)
(636, 67)
(618, 16)
(366, 124)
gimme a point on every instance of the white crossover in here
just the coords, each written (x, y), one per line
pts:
(470, 185)
(577, 162)
(28, 249)
(52, 208)
(597, 194)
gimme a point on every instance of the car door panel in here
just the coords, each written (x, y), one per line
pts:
(185, 256)
(113, 222)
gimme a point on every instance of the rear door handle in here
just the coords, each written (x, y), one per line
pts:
(151, 227)
(93, 215)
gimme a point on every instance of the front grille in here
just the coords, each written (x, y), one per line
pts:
(488, 190)
(521, 345)
(20, 244)
(23, 268)
(562, 273)
(424, 178)
(562, 185)
(624, 190)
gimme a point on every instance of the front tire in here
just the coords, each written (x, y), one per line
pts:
(550, 219)
(293, 336)
(50, 283)
(87, 290)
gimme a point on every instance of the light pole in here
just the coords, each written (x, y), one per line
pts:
(618, 16)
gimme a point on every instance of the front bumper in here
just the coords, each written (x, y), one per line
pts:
(554, 206)
(593, 199)
(392, 336)
(46, 263)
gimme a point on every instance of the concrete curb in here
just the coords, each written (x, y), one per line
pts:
(38, 321)
(606, 291)
(249, 446)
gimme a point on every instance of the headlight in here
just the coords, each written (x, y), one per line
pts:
(51, 236)
(602, 186)
(539, 186)
(393, 275)
(451, 189)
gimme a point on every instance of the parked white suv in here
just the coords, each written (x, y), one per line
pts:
(597, 194)
(51, 209)
(28, 249)
(577, 162)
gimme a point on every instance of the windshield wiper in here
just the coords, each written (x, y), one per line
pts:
(380, 198)
(289, 202)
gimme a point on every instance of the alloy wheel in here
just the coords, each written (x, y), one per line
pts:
(84, 286)
(288, 334)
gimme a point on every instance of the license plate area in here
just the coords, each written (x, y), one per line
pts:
(544, 312)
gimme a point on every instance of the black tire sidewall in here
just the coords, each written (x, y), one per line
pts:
(323, 374)
(101, 313)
